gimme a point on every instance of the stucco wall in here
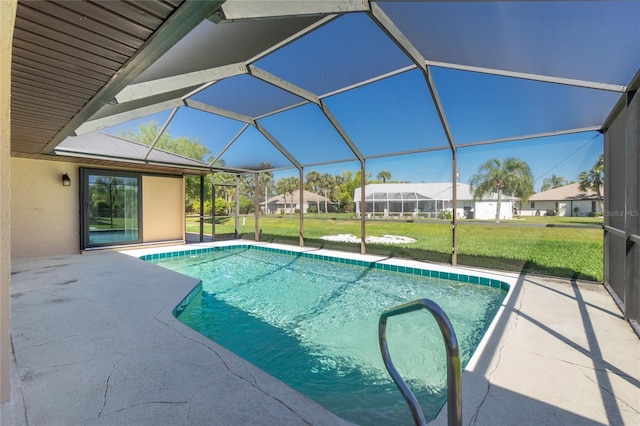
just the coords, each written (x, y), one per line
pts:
(7, 19)
(162, 208)
(486, 210)
(565, 208)
(45, 214)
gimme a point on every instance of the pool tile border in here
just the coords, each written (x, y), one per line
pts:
(453, 276)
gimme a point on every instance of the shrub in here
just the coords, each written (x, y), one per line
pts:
(445, 214)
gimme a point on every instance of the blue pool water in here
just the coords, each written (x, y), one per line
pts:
(313, 324)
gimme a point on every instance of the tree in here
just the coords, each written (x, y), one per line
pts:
(286, 186)
(593, 179)
(184, 146)
(265, 180)
(384, 176)
(510, 176)
(147, 133)
(314, 183)
(350, 181)
(224, 192)
(553, 182)
(329, 185)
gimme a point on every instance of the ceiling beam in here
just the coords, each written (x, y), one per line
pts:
(228, 145)
(368, 81)
(179, 24)
(278, 145)
(160, 133)
(280, 83)
(123, 117)
(343, 133)
(532, 136)
(184, 81)
(236, 10)
(218, 111)
(533, 77)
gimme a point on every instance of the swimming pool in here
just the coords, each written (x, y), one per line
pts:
(311, 321)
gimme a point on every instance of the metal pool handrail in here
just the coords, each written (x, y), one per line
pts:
(454, 371)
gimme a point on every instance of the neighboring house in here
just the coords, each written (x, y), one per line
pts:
(566, 200)
(282, 204)
(429, 200)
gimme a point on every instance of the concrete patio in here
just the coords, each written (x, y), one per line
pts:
(95, 342)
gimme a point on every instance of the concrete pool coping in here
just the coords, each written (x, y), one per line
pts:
(91, 332)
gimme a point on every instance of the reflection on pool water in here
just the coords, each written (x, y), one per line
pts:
(313, 323)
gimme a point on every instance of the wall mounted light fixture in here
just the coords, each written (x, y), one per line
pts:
(66, 180)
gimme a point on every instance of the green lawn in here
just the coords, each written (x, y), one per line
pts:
(546, 247)
(111, 223)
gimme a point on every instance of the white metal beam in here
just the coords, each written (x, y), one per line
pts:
(234, 10)
(532, 136)
(269, 114)
(282, 84)
(368, 81)
(278, 145)
(529, 76)
(388, 26)
(112, 120)
(326, 163)
(183, 81)
(159, 135)
(218, 111)
(345, 137)
(228, 145)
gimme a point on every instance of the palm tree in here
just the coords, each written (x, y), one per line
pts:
(314, 183)
(593, 179)
(553, 182)
(265, 179)
(286, 186)
(509, 176)
(328, 183)
(384, 176)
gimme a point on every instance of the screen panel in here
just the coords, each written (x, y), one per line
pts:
(199, 135)
(483, 107)
(246, 95)
(390, 116)
(348, 50)
(585, 40)
(251, 150)
(307, 134)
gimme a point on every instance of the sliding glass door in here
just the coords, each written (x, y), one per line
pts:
(111, 208)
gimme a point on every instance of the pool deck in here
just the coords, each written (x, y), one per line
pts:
(95, 343)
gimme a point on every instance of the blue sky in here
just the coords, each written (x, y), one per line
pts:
(395, 114)
(565, 155)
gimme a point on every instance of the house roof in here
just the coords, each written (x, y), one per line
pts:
(566, 192)
(432, 191)
(107, 146)
(309, 197)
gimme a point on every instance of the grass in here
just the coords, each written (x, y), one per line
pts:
(545, 247)
(109, 223)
